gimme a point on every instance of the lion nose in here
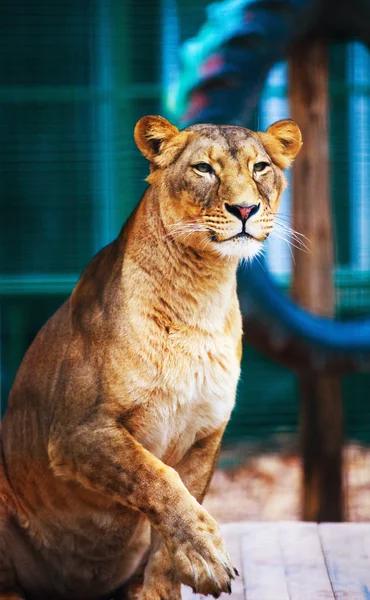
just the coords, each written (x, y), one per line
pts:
(242, 212)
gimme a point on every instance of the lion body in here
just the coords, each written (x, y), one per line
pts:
(129, 385)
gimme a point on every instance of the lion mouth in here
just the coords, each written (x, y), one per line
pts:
(238, 236)
(242, 234)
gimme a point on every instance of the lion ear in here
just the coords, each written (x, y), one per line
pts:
(282, 141)
(150, 134)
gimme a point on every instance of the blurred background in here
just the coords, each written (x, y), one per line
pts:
(75, 76)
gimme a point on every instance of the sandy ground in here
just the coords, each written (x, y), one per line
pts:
(252, 484)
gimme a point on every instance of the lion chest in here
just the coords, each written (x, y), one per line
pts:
(191, 395)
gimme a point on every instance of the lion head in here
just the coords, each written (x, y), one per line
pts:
(219, 186)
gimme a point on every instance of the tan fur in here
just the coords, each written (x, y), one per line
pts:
(118, 409)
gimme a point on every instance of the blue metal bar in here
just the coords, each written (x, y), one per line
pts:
(260, 296)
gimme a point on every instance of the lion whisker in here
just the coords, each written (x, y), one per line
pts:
(278, 216)
(299, 243)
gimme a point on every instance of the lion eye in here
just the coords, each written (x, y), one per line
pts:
(203, 167)
(260, 166)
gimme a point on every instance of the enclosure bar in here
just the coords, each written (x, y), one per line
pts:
(321, 426)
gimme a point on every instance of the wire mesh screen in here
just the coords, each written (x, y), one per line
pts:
(75, 77)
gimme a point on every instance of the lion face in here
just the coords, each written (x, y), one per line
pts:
(220, 186)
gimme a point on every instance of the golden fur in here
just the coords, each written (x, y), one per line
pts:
(117, 411)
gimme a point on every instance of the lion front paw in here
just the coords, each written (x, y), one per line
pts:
(200, 557)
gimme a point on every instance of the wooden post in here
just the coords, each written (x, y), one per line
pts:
(321, 424)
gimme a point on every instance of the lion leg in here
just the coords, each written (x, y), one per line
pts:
(9, 589)
(132, 588)
(105, 457)
(196, 470)
(160, 582)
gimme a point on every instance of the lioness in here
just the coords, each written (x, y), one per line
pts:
(117, 412)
